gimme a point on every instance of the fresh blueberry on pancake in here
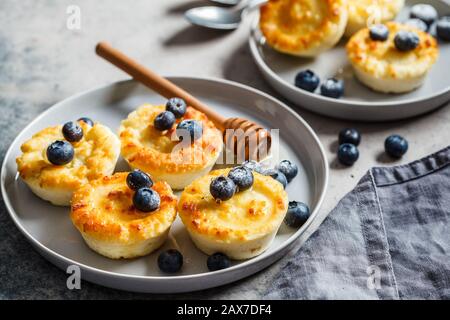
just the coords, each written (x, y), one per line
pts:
(222, 188)
(242, 177)
(137, 179)
(60, 153)
(192, 127)
(146, 200)
(164, 121)
(406, 40)
(177, 106)
(87, 121)
(379, 32)
(72, 132)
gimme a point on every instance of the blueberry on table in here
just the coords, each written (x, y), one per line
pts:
(218, 261)
(297, 214)
(253, 165)
(332, 88)
(406, 40)
(424, 12)
(170, 261)
(307, 80)
(242, 177)
(417, 23)
(146, 200)
(87, 120)
(379, 32)
(277, 175)
(189, 128)
(72, 132)
(222, 188)
(137, 179)
(348, 154)
(395, 146)
(60, 153)
(177, 106)
(443, 28)
(164, 121)
(288, 168)
(349, 135)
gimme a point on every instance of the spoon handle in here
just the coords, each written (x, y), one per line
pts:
(154, 81)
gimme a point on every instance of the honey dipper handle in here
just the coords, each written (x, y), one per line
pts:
(155, 82)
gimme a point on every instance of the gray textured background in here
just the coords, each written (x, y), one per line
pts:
(42, 62)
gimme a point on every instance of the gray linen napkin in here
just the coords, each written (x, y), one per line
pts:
(389, 238)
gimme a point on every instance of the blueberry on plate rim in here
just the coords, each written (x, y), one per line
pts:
(72, 132)
(137, 179)
(288, 168)
(332, 88)
(349, 135)
(307, 80)
(222, 188)
(87, 120)
(395, 146)
(379, 32)
(60, 153)
(424, 12)
(297, 214)
(170, 261)
(417, 23)
(164, 121)
(242, 178)
(177, 106)
(146, 200)
(277, 175)
(348, 154)
(218, 261)
(443, 28)
(189, 128)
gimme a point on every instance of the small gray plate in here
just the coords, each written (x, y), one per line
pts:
(51, 232)
(359, 102)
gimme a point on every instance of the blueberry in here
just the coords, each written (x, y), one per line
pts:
(87, 121)
(72, 132)
(424, 12)
(277, 175)
(222, 188)
(146, 200)
(191, 128)
(177, 106)
(218, 261)
(164, 121)
(349, 135)
(137, 179)
(60, 152)
(332, 88)
(242, 177)
(406, 40)
(253, 165)
(417, 23)
(170, 261)
(307, 80)
(379, 32)
(348, 154)
(443, 28)
(288, 168)
(297, 214)
(395, 146)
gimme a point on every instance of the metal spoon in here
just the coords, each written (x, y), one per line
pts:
(221, 18)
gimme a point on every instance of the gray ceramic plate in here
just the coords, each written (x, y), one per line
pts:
(359, 102)
(51, 232)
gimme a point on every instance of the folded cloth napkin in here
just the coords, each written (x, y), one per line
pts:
(389, 238)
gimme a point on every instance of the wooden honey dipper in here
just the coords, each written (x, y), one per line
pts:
(245, 137)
